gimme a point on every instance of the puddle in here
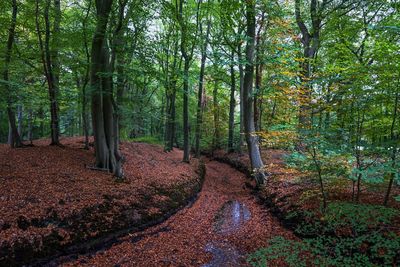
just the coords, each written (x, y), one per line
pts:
(223, 255)
(231, 217)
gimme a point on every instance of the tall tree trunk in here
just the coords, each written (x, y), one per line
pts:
(259, 67)
(199, 119)
(217, 136)
(55, 44)
(84, 113)
(170, 116)
(232, 104)
(170, 96)
(53, 67)
(186, 152)
(257, 165)
(85, 95)
(310, 41)
(394, 149)
(30, 125)
(118, 63)
(104, 125)
(20, 118)
(14, 139)
(51, 75)
(257, 99)
(187, 54)
(241, 84)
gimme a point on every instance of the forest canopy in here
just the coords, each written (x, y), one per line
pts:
(204, 75)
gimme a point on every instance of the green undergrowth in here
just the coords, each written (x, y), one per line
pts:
(146, 139)
(347, 234)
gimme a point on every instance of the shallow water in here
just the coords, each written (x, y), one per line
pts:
(231, 216)
(212, 232)
(223, 254)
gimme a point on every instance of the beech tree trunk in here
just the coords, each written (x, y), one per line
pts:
(14, 139)
(199, 119)
(232, 104)
(103, 117)
(170, 116)
(241, 84)
(170, 96)
(85, 95)
(394, 149)
(50, 62)
(310, 40)
(259, 68)
(118, 63)
(187, 55)
(217, 132)
(30, 125)
(186, 148)
(257, 99)
(257, 165)
(20, 118)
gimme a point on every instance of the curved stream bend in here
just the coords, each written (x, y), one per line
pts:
(219, 229)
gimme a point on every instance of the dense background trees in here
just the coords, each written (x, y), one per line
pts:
(192, 74)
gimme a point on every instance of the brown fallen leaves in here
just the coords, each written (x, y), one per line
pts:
(292, 189)
(184, 238)
(50, 199)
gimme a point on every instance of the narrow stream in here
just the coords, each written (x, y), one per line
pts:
(231, 216)
(219, 229)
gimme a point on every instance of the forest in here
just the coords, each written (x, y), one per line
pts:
(200, 133)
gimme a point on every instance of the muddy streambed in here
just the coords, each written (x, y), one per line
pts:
(219, 229)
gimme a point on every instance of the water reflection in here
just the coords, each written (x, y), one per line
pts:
(224, 255)
(231, 217)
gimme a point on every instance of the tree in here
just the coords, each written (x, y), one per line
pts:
(108, 156)
(49, 57)
(187, 49)
(199, 118)
(257, 165)
(14, 140)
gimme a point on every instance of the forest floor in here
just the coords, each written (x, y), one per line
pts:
(50, 200)
(347, 233)
(289, 190)
(225, 224)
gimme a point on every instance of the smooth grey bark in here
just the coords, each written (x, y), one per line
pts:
(55, 44)
(20, 118)
(104, 125)
(187, 55)
(9, 136)
(257, 165)
(14, 139)
(186, 59)
(217, 131)
(86, 78)
(118, 63)
(259, 69)
(170, 96)
(186, 152)
(232, 104)
(241, 85)
(310, 41)
(30, 125)
(394, 148)
(50, 66)
(199, 119)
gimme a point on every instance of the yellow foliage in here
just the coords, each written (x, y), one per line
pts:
(277, 139)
